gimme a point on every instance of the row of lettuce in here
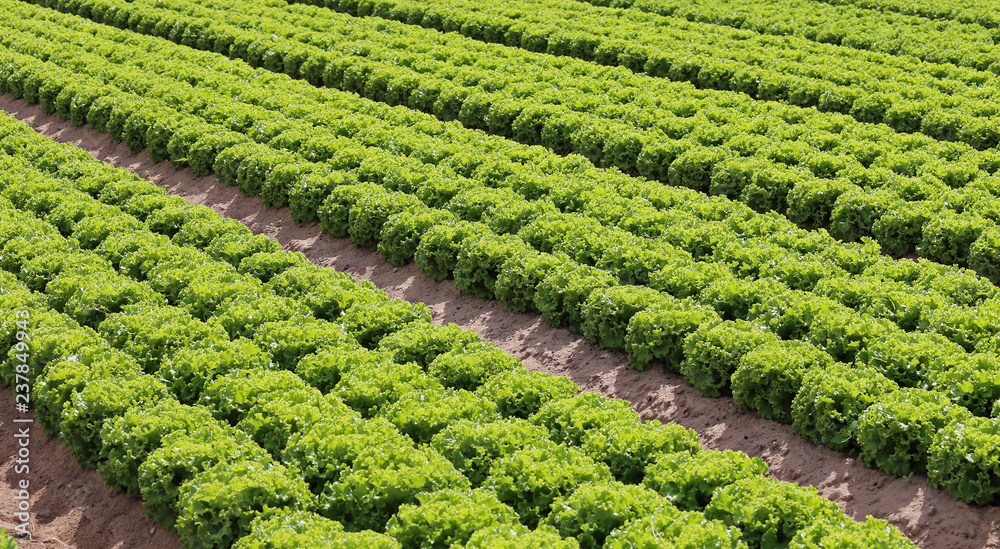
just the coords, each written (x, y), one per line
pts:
(911, 194)
(978, 12)
(500, 246)
(215, 119)
(855, 27)
(864, 85)
(283, 178)
(254, 400)
(900, 430)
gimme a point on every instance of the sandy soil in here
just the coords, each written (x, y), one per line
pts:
(929, 516)
(70, 506)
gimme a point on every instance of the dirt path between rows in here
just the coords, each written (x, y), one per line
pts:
(70, 506)
(929, 516)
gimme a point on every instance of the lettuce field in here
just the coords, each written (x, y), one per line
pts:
(791, 205)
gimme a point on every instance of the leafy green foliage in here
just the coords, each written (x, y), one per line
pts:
(39, 271)
(369, 323)
(521, 393)
(307, 192)
(151, 334)
(685, 529)
(770, 513)
(327, 293)
(6, 541)
(89, 298)
(273, 421)
(856, 210)
(963, 459)
(370, 386)
(480, 261)
(169, 270)
(422, 413)
(103, 398)
(437, 254)
(637, 262)
(896, 431)
(561, 295)
(973, 384)
(130, 438)
(448, 518)
(831, 400)
(603, 217)
(689, 479)
(169, 219)
(594, 510)
(472, 447)
(790, 314)
(382, 479)
(403, 232)
(370, 213)
(242, 315)
(191, 368)
(948, 239)
(232, 395)
(52, 337)
(180, 458)
(607, 312)
(687, 280)
(519, 537)
(292, 529)
(658, 333)
(217, 506)
(519, 276)
(234, 247)
(508, 217)
(204, 149)
(65, 377)
(899, 231)
(909, 359)
(201, 231)
(209, 289)
(770, 376)
(92, 230)
(872, 532)
(569, 420)
(116, 247)
(263, 171)
(266, 265)
(734, 299)
(326, 449)
(530, 480)
(323, 369)
(984, 257)
(844, 334)
(963, 325)
(287, 341)
(693, 168)
(714, 351)
(629, 448)
(423, 343)
(471, 366)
